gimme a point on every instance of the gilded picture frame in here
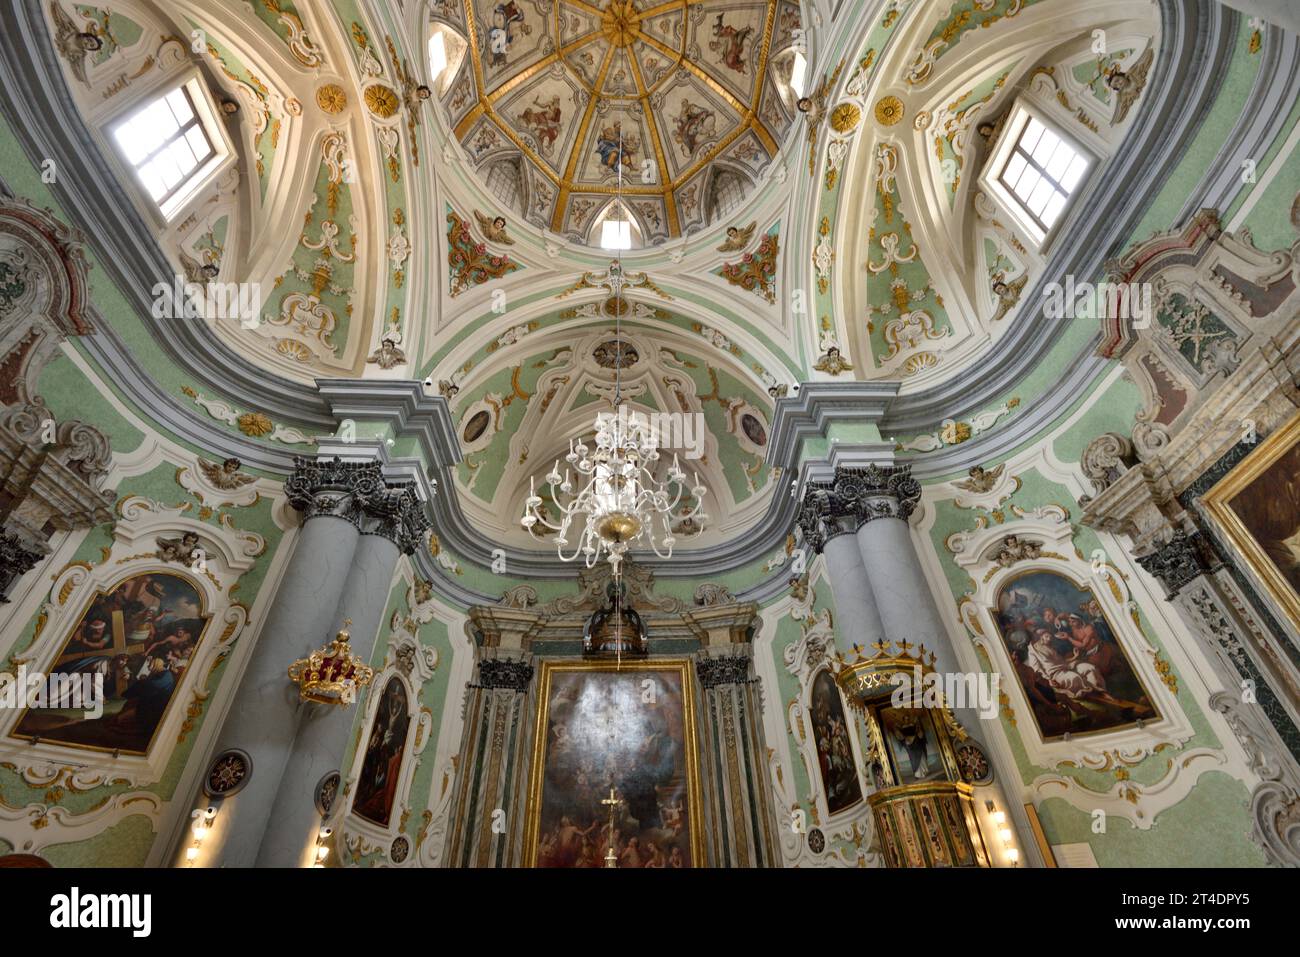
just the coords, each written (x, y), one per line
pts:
(1269, 523)
(680, 669)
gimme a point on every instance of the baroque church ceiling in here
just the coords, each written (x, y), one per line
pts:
(690, 101)
(412, 215)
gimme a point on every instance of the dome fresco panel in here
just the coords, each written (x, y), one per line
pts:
(656, 91)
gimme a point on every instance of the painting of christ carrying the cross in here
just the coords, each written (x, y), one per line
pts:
(139, 638)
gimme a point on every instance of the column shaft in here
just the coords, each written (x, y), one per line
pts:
(294, 821)
(857, 615)
(263, 718)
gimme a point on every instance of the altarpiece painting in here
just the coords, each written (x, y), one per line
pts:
(615, 767)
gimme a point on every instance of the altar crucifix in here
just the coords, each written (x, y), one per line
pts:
(611, 859)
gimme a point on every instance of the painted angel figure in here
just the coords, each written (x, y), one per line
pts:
(738, 238)
(225, 476)
(1008, 294)
(494, 228)
(981, 480)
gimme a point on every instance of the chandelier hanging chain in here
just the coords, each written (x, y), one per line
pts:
(618, 286)
(621, 500)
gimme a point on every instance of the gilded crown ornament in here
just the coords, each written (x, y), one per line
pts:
(331, 675)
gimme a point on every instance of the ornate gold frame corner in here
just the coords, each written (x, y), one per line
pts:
(1217, 506)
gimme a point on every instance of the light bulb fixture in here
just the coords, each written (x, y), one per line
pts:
(1005, 835)
(616, 500)
(200, 829)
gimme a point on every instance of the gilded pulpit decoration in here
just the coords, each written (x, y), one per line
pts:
(332, 674)
(923, 802)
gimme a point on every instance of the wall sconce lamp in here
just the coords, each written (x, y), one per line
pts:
(322, 850)
(1004, 833)
(200, 828)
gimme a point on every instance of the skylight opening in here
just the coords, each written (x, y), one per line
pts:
(799, 74)
(1042, 173)
(1036, 171)
(437, 56)
(615, 234)
(170, 145)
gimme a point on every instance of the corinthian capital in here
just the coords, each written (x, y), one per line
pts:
(877, 491)
(332, 487)
(397, 513)
(855, 496)
(357, 492)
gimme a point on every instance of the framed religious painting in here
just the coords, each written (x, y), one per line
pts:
(381, 768)
(1067, 658)
(615, 774)
(1257, 508)
(133, 645)
(831, 735)
(910, 742)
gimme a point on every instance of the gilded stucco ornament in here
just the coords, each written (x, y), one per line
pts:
(331, 98)
(846, 117)
(382, 100)
(889, 110)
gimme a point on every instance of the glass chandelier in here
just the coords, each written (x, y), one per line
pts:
(616, 502)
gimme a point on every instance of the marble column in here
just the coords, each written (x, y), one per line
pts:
(743, 824)
(828, 524)
(257, 743)
(257, 738)
(391, 524)
(488, 811)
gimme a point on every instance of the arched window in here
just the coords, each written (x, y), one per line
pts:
(727, 191)
(505, 181)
